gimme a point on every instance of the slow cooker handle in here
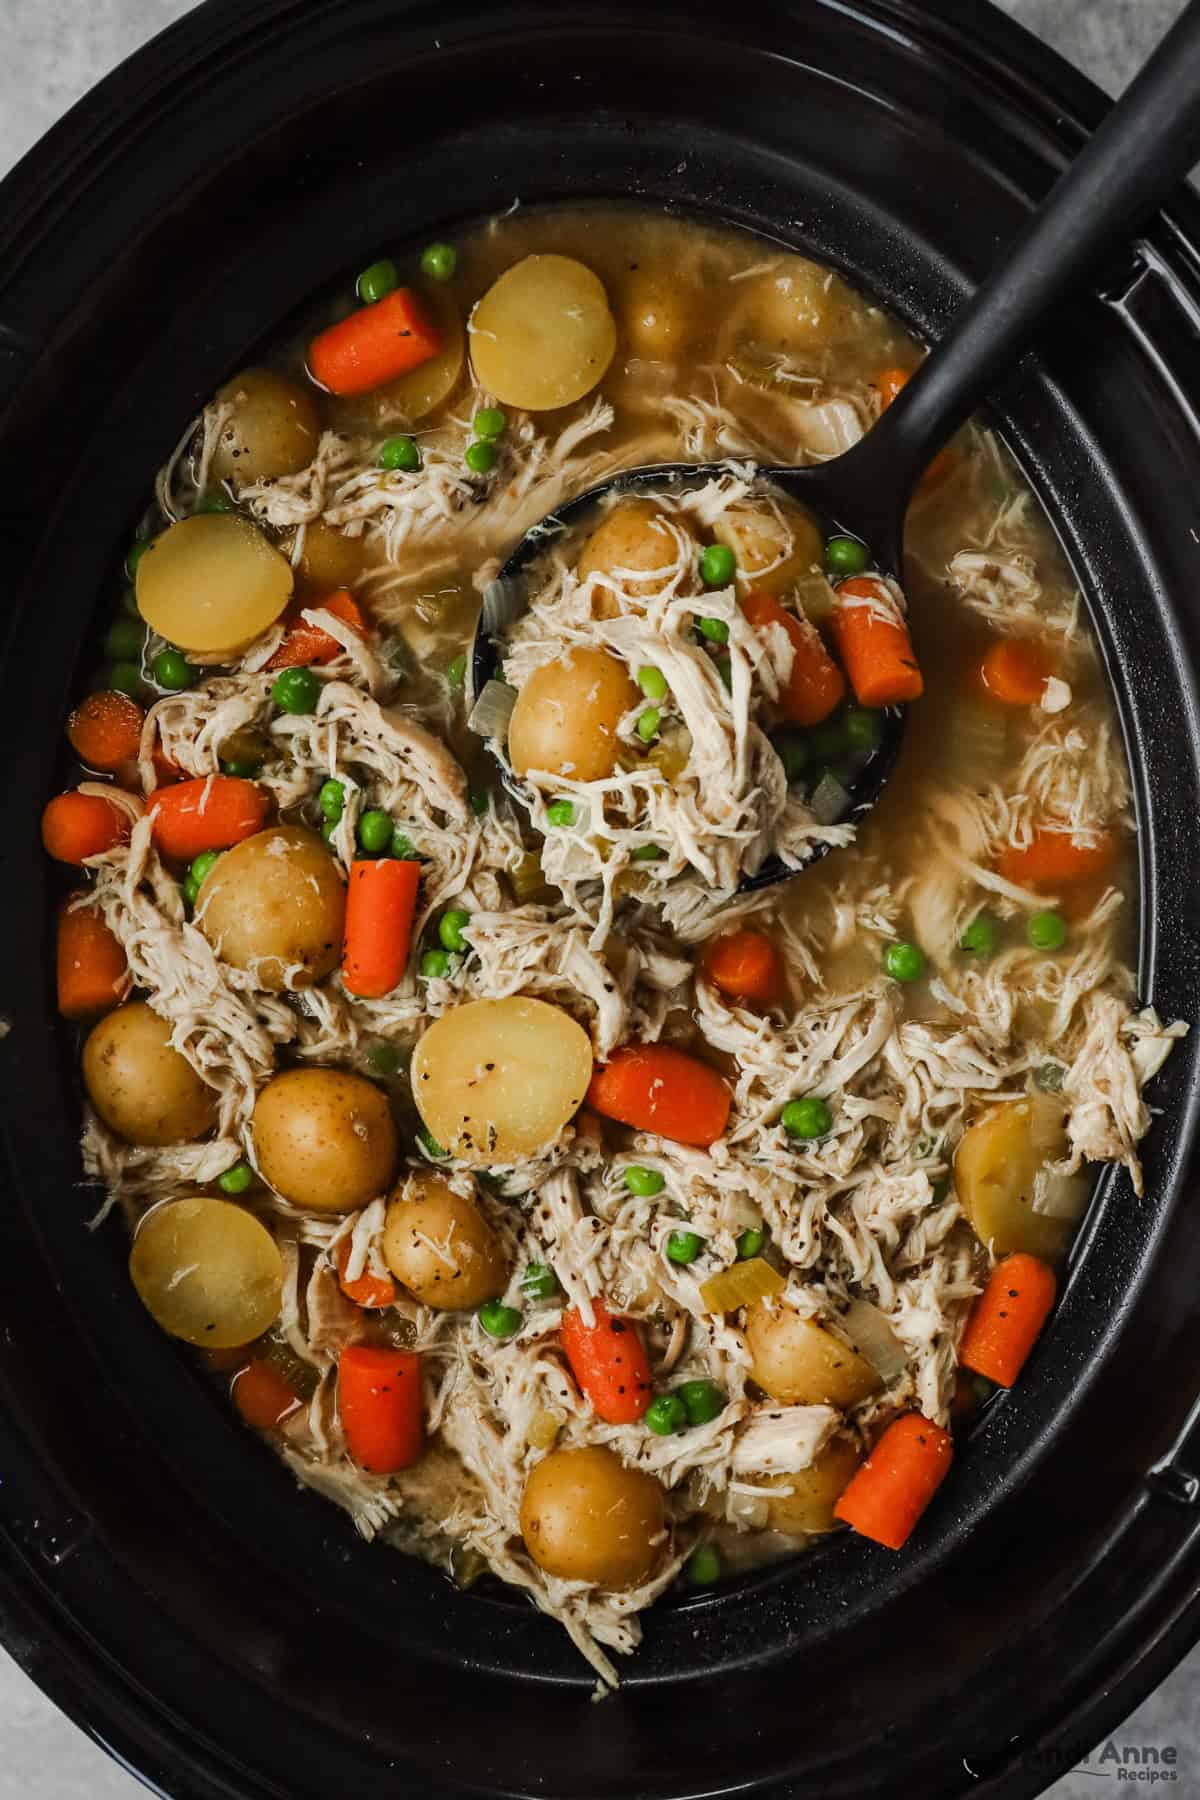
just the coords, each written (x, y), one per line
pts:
(1143, 150)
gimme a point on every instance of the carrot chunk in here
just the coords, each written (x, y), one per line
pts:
(893, 1487)
(608, 1360)
(379, 1397)
(657, 1088)
(381, 899)
(365, 1290)
(76, 826)
(262, 1396)
(1007, 1318)
(91, 966)
(375, 344)
(874, 645)
(746, 965)
(1016, 671)
(105, 731)
(306, 643)
(889, 383)
(815, 685)
(1055, 858)
(210, 812)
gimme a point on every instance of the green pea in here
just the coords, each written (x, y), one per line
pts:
(402, 847)
(645, 1183)
(807, 1118)
(715, 630)
(296, 691)
(377, 280)
(703, 1399)
(560, 812)
(329, 829)
(480, 457)
(652, 682)
(645, 853)
(717, 565)
(539, 1282)
(435, 965)
(666, 1415)
(725, 671)
(648, 724)
(846, 556)
(450, 929)
(332, 800)
(375, 832)
(498, 1320)
(490, 422)
(1046, 931)
(430, 1144)
(383, 1058)
(124, 640)
(904, 962)
(792, 751)
(703, 1566)
(126, 678)
(481, 800)
(684, 1247)
(190, 889)
(863, 729)
(981, 936)
(439, 261)
(750, 1242)
(204, 864)
(399, 453)
(247, 767)
(216, 500)
(456, 672)
(827, 741)
(237, 1179)
(134, 555)
(173, 671)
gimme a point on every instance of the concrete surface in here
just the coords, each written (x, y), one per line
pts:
(53, 51)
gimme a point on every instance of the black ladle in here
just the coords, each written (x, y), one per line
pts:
(1144, 148)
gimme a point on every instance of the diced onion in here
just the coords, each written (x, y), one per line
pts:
(873, 1338)
(528, 880)
(741, 1284)
(830, 800)
(544, 1427)
(492, 711)
(976, 741)
(1060, 1196)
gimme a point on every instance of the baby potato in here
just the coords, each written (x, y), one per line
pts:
(543, 335)
(208, 1272)
(440, 1246)
(774, 542)
(272, 428)
(995, 1173)
(586, 1516)
(212, 583)
(797, 1361)
(328, 558)
(796, 308)
(808, 1507)
(566, 716)
(496, 1080)
(656, 316)
(325, 1139)
(275, 905)
(637, 535)
(142, 1088)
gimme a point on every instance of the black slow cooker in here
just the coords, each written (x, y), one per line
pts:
(160, 1575)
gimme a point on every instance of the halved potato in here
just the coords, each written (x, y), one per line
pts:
(996, 1170)
(798, 1361)
(208, 1272)
(212, 583)
(775, 543)
(438, 1243)
(272, 428)
(566, 716)
(275, 905)
(543, 335)
(803, 1503)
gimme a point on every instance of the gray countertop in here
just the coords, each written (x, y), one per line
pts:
(54, 51)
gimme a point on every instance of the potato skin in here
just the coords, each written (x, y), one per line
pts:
(440, 1246)
(273, 428)
(757, 533)
(586, 1516)
(808, 1508)
(995, 1169)
(634, 534)
(143, 1089)
(797, 1361)
(566, 716)
(325, 1139)
(329, 559)
(274, 902)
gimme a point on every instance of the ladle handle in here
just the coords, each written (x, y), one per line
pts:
(1144, 148)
